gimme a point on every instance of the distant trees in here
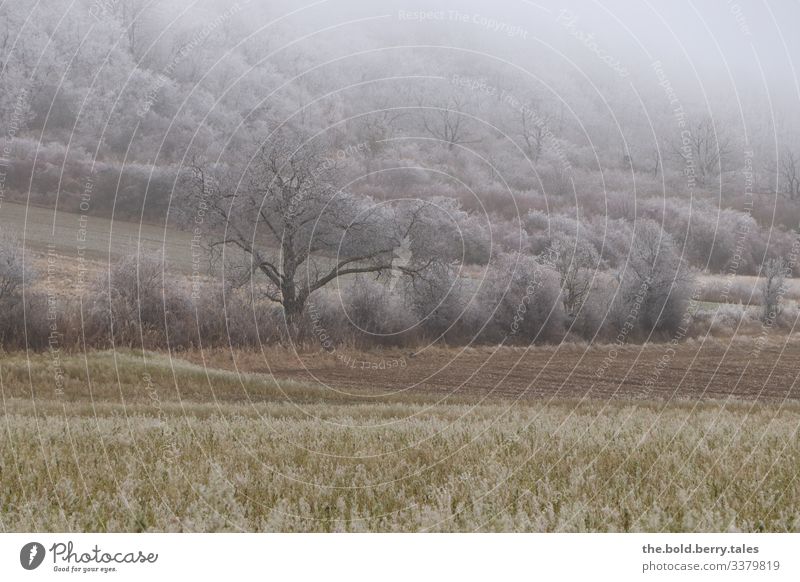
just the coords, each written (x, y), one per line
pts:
(535, 128)
(789, 175)
(107, 115)
(448, 121)
(705, 147)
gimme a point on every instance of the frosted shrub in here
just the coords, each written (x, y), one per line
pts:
(375, 313)
(438, 300)
(522, 301)
(654, 285)
(137, 304)
(13, 272)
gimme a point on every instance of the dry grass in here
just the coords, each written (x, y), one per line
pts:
(168, 447)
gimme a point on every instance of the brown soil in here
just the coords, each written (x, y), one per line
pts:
(715, 369)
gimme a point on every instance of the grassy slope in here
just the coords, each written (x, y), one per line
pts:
(41, 227)
(168, 447)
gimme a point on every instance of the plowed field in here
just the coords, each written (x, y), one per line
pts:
(743, 369)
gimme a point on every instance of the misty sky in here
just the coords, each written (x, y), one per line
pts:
(700, 42)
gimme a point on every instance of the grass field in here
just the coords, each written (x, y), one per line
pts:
(98, 238)
(132, 442)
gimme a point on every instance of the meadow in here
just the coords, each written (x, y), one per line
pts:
(45, 230)
(128, 441)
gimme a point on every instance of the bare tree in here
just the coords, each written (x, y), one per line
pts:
(129, 13)
(287, 219)
(654, 161)
(789, 170)
(534, 129)
(772, 288)
(448, 122)
(575, 260)
(704, 147)
(380, 124)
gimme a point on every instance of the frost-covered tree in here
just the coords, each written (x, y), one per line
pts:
(282, 212)
(576, 261)
(772, 288)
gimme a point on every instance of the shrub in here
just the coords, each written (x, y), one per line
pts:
(654, 285)
(138, 305)
(374, 314)
(730, 290)
(439, 300)
(232, 316)
(14, 272)
(521, 302)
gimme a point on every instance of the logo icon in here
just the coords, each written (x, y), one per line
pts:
(31, 555)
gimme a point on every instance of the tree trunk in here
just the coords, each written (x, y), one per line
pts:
(293, 311)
